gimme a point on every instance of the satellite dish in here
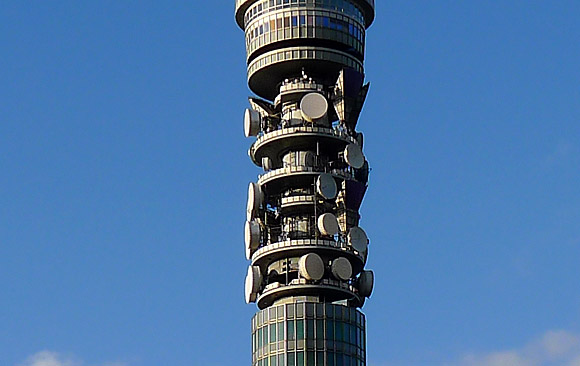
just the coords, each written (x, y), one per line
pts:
(360, 139)
(255, 199)
(311, 266)
(266, 163)
(309, 158)
(253, 282)
(313, 106)
(252, 122)
(251, 237)
(326, 186)
(328, 224)
(366, 281)
(353, 156)
(358, 239)
(341, 268)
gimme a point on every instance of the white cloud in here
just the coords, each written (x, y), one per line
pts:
(553, 348)
(562, 153)
(49, 358)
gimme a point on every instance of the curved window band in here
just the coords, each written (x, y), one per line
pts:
(267, 6)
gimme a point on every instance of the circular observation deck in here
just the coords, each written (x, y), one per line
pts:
(266, 71)
(330, 290)
(246, 10)
(278, 180)
(284, 37)
(277, 143)
(296, 248)
(305, 27)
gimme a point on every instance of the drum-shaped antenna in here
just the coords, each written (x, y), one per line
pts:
(366, 282)
(253, 282)
(360, 139)
(308, 158)
(353, 156)
(313, 106)
(341, 268)
(357, 239)
(255, 200)
(252, 122)
(327, 224)
(251, 237)
(326, 186)
(311, 266)
(266, 163)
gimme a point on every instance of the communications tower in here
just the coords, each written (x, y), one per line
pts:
(302, 234)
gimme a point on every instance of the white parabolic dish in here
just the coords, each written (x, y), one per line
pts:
(328, 224)
(251, 237)
(365, 283)
(311, 266)
(341, 268)
(357, 238)
(255, 198)
(313, 106)
(253, 281)
(326, 186)
(353, 156)
(251, 122)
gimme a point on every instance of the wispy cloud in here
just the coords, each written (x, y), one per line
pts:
(562, 152)
(554, 348)
(50, 358)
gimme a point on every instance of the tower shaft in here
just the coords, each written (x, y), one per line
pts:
(302, 235)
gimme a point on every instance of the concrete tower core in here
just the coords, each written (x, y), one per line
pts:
(302, 234)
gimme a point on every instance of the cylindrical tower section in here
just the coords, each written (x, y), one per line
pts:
(303, 238)
(312, 334)
(286, 37)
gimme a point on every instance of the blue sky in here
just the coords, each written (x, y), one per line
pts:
(123, 177)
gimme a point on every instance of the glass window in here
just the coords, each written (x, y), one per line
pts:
(338, 331)
(281, 331)
(291, 359)
(281, 359)
(310, 328)
(330, 359)
(272, 333)
(299, 329)
(290, 329)
(320, 329)
(329, 329)
(300, 358)
(329, 311)
(290, 311)
(273, 361)
(310, 359)
(320, 358)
